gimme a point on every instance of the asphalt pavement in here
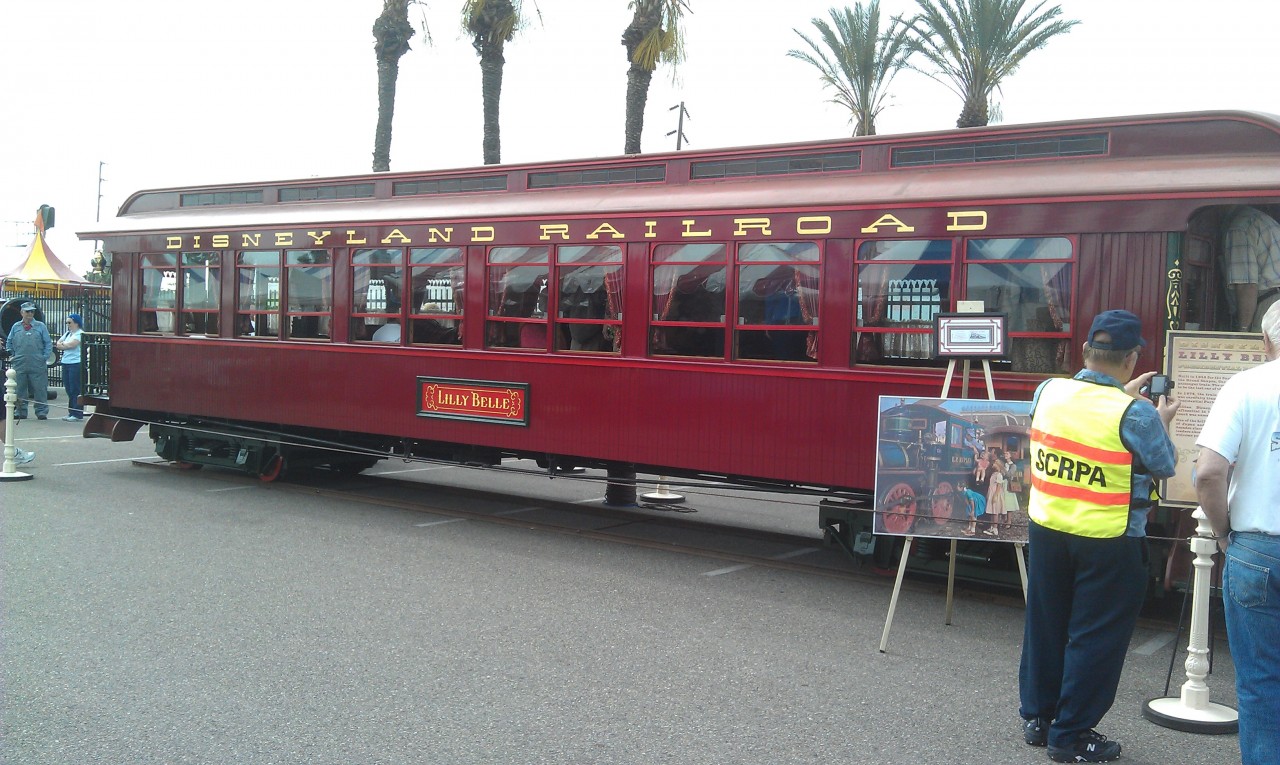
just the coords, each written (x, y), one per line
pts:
(164, 616)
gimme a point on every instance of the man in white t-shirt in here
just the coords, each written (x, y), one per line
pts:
(1243, 506)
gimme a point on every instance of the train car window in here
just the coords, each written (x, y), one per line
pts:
(159, 275)
(518, 297)
(308, 277)
(201, 292)
(688, 305)
(1028, 279)
(377, 282)
(589, 299)
(258, 294)
(437, 278)
(902, 285)
(777, 302)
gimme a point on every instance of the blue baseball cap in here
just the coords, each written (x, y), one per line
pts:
(1124, 328)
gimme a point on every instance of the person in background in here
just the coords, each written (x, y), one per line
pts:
(1243, 508)
(1096, 446)
(31, 346)
(69, 344)
(1251, 246)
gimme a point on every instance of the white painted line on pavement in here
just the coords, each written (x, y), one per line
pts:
(518, 510)
(412, 470)
(782, 556)
(728, 570)
(1155, 644)
(437, 523)
(585, 501)
(99, 462)
(231, 488)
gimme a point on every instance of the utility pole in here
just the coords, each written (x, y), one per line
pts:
(679, 131)
(97, 263)
(97, 215)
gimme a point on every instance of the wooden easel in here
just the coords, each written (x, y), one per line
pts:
(951, 563)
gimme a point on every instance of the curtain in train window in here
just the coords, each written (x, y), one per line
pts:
(258, 289)
(201, 292)
(377, 289)
(1030, 281)
(436, 275)
(518, 297)
(309, 283)
(688, 300)
(159, 292)
(902, 285)
(777, 301)
(589, 298)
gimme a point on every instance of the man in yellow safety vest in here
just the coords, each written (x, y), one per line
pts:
(1096, 448)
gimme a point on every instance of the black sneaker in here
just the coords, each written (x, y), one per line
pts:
(1035, 732)
(42, 416)
(1090, 746)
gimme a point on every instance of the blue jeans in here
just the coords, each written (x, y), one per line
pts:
(1251, 596)
(71, 383)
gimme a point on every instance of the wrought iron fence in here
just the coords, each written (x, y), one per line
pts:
(94, 309)
(95, 360)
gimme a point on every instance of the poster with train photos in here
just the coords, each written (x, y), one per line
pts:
(953, 468)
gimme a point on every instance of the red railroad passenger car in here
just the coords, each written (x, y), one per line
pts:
(731, 313)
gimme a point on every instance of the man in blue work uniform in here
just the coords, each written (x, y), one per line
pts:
(1096, 447)
(30, 345)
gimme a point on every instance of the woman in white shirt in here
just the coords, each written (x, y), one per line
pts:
(69, 344)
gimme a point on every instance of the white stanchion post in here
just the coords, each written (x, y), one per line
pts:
(9, 470)
(1192, 712)
(663, 496)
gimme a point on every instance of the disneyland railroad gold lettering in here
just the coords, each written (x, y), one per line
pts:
(884, 224)
(1057, 465)
(607, 228)
(549, 229)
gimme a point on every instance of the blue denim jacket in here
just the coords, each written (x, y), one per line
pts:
(1143, 434)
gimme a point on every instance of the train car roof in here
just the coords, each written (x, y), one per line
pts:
(1168, 156)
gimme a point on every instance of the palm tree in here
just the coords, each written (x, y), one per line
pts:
(391, 34)
(977, 43)
(491, 24)
(653, 37)
(856, 60)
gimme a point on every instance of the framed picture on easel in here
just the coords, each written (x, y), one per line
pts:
(953, 468)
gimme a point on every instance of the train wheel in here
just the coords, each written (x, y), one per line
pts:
(275, 466)
(941, 504)
(899, 508)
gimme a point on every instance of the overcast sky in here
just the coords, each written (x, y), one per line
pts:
(171, 93)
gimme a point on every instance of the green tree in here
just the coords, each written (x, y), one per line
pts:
(975, 44)
(653, 37)
(391, 34)
(491, 24)
(857, 60)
